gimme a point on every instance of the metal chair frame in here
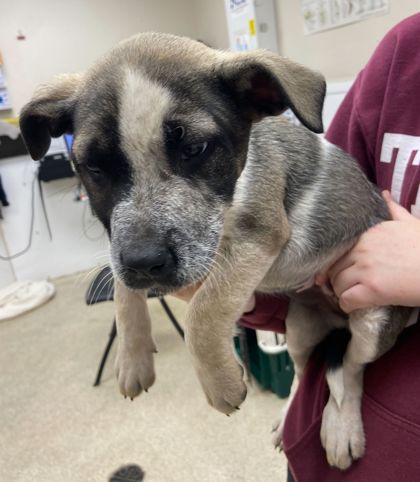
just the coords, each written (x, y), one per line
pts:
(102, 289)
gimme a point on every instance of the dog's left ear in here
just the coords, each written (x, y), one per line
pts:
(265, 84)
(49, 113)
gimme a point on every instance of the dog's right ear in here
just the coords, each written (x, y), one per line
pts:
(49, 113)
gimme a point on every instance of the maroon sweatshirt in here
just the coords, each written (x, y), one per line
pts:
(379, 124)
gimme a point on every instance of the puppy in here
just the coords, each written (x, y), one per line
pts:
(195, 178)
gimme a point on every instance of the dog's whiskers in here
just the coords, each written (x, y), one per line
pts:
(99, 288)
(84, 276)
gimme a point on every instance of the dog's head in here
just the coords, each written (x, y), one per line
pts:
(161, 128)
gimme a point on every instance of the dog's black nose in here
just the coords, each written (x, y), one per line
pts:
(153, 261)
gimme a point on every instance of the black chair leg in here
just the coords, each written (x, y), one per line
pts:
(112, 336)
(172, 317)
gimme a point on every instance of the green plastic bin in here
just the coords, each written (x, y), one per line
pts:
(272, 372)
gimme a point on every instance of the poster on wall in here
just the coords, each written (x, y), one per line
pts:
(251, 24)
(240, 15)
(320, 15)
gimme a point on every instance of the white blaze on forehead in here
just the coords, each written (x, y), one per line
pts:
(143, 106)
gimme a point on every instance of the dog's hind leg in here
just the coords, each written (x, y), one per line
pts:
(134, 362)
(373, 332)
(306, 327)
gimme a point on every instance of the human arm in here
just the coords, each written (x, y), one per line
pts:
(384, 266)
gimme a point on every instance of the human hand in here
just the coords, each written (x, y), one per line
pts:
(188, 292)
(383, 268)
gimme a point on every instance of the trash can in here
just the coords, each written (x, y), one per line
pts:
(266, 357)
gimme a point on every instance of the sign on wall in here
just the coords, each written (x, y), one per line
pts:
(251, 24)
(320, 15)
(241, 24)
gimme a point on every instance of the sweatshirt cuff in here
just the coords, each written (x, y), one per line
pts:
(269, 313)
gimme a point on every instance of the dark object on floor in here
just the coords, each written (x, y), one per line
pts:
(55, 166)
(102, 289)
(128, 473)
(12, 147)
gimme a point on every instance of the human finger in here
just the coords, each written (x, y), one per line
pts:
(345, 279)
(355, 298)
(321, 278)
(340, 265)
(398, 213)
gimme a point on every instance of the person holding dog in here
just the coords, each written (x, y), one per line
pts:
(378, 123)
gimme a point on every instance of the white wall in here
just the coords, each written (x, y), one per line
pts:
(78, 243)
(210, 23)
(339, 53)
(69, 35)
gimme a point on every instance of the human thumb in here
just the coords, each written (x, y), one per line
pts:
(398, 213)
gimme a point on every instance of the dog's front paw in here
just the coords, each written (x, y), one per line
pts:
(342, 434)
(135, 371)
(223, 384)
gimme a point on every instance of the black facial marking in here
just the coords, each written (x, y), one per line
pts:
(212, 157)
(103, 167)
(105, 172)
(189, 152)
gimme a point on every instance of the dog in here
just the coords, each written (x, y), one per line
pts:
(196, 177)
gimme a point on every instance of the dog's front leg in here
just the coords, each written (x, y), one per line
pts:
(134, 363)
(242, 261)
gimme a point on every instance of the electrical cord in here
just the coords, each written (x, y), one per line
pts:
(31, 226)
(44, 209)
(85, 228)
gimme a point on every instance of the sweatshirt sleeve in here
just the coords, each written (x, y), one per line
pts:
(269, 313)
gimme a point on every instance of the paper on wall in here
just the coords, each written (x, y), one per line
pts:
(320, 15)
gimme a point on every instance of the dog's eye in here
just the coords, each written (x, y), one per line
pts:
(191, 151)
(94, 170)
